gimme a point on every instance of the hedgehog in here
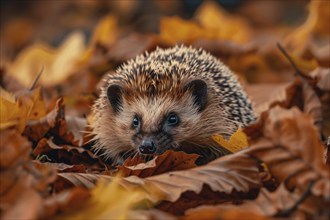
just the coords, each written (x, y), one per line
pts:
(175, 98)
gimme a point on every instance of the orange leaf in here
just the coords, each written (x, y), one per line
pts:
(237, 141)
(168, 161)
(16, 111)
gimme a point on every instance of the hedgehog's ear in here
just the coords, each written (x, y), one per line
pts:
(199, 91)
(114, 94)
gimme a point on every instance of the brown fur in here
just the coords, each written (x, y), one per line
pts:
(155, 87)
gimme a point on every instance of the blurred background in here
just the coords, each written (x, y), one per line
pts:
(51, 21)
(68, 47)
(75, 43)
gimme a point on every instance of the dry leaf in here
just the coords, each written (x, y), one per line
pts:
(214, 23)
(22, 182)
(10, 111)
(119, 52)
(168, 161)
(270, 91)
(297, 93)
(322, 77)
(62, 167)
(65, 202)
(313, 30)
(67, 154)
(150, 214)
(27, 206)
(108, 201)
(225, 49)
(56, 64)
(321, 84)
(37, 129)
(105, 32)
(281, 204)
(14, 149)
(290, 155)
(237, 141)
(230, 173)
(213, 18)
(327, 152)
(246, 211)
(17, 110)
(71, 129)
(175, 30)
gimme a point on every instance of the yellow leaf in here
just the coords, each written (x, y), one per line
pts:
(214, 23)
(176, 30)
(108, 201)
(16, 111)
(9, 110)
(227, 27)
(237, 141)
(316, 26)
(57, 64)
(35, 104)
(106, 31)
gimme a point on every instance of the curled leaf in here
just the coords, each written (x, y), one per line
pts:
(168, 161)
(291, 156)
(237, 141)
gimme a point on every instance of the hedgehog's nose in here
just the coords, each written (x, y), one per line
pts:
(147, 147)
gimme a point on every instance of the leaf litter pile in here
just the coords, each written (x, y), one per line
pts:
(277, 167)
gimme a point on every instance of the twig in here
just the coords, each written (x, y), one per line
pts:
(286, 212)
(37, 78)
(293, 64)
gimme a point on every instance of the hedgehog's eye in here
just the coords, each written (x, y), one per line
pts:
(136, 122)
(173, 119)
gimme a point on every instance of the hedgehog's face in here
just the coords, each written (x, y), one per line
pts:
(154, 124)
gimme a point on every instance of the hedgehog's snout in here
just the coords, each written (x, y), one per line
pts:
(147, 146)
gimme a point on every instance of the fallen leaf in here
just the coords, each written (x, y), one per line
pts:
(27, 206)
(237, 141)
(175, 30)
(8, 82)
(67, 154)
(327, 152)
(37, 129)
(225, 48)
(65, 202)
(14, 149)
(271, 92)
(322, 78)
(314, 31)
(108, 201)
(168, 161)
(17, 110)
(227, 27)
(297, 93)
(236, 172)
(281, 203)
(22, 182)
(224, 211)
(72, 130)
(292, 157)
(10, 111)
(56, 64)
(119, 52)
(105, 32)
(62, 167)
(152, 214)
